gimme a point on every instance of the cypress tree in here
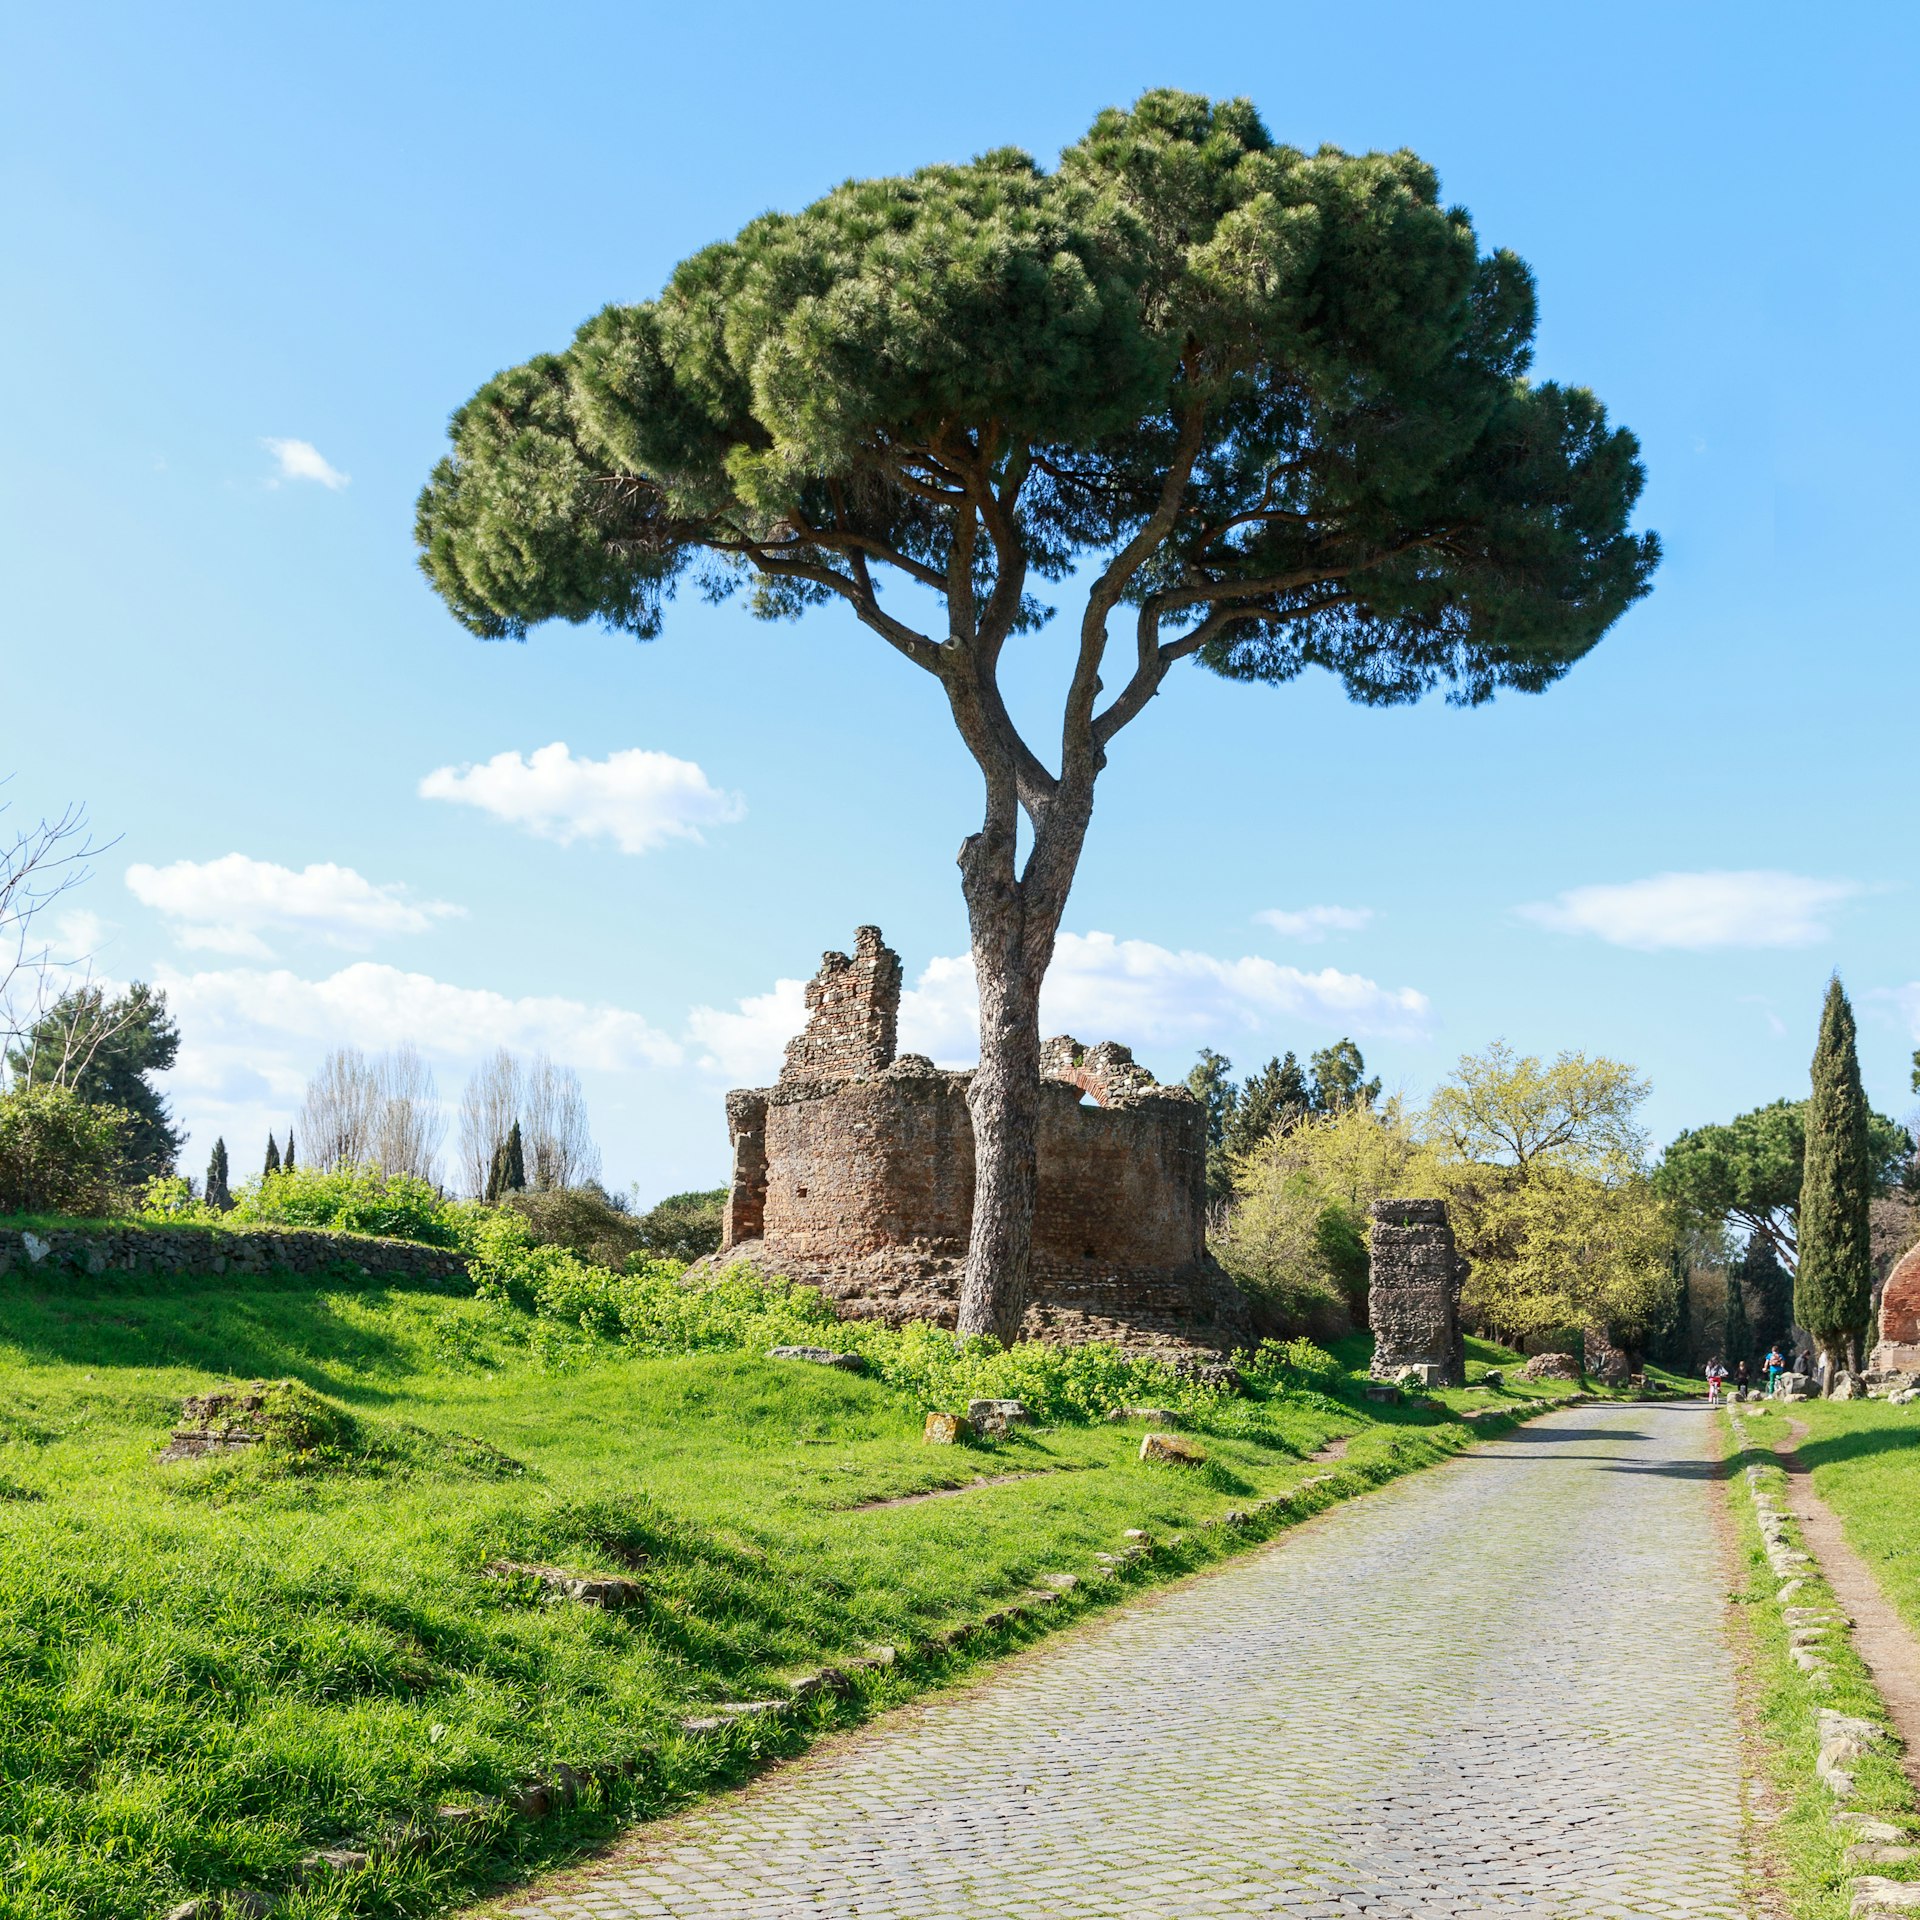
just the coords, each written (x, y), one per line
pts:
(273, 1154)
(218, 1193)
(514, 1178)
(1833, 1291)
(287, 1163)
(496, 1174)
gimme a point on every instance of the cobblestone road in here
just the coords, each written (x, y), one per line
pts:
(1496, 1687)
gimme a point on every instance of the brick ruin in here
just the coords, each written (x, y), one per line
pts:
(1413, 1300)
(854, 1173)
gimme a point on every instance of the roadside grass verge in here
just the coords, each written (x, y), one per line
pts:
(211, 1668)
(1865, 1460)
(1809, 1845)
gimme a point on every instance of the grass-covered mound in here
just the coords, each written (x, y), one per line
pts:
(211, 1666)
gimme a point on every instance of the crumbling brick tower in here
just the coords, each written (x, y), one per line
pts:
(854, 1173)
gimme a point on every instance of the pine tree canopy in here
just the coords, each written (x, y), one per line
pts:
(1833, 1287)
(1749, 1171)
(1288, 389)
(105, 1049)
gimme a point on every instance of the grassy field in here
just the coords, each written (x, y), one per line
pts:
(210, 1668)
(1865, 1459)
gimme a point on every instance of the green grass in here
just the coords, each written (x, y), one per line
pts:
(1865, 1459)
(1807, 1846)
(209, 1668)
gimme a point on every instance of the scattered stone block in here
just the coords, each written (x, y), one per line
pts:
(1869, 1826)
(1873, 1894)
(820, 1357)
(1168, 1449)
(996, 1416)
(1155, 1416)
(1384, 1392)
(330, 1861)
(944, 1430)
(1882, 1856)
(1849, 1726)
(1060, 1582)
(589, 1589)
(1551, 1366)
(1493, 1379)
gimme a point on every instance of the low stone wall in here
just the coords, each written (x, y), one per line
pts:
(213, 1250)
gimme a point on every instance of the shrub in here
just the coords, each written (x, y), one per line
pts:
(354, 1199)
(58, 1154)
(684, 1226)
(583, 1220)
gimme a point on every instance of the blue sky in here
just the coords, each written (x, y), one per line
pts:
(322, 227)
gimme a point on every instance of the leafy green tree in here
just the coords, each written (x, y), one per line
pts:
(1274, 1100)
(1749, 1171)
(684, 1226)
(219, 1192)
(60, 1153)
(273, 1156)
(106, 1050)
(1208, 1083)
(508, 1173)
(1268, 408)
(1736, 1323)
(1766, 1292)
(1833, 1284)
(1340, 1078)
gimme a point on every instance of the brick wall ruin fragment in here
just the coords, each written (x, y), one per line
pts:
(1413, 1299)
(854, 1173)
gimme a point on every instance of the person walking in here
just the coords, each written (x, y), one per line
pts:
(1715, 1374)
(1775, 1364)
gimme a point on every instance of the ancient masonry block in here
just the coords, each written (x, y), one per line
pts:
(854, 1173)
(1413, 1303)
(1899, 1347)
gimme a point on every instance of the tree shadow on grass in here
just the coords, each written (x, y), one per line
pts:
(1863, 1444)
(252, 1330)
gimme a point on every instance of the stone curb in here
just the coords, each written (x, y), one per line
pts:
(1844, 1738)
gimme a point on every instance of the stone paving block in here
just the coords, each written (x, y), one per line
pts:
(1368, 1717)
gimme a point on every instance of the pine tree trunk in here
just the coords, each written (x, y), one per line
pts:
(1014, 922)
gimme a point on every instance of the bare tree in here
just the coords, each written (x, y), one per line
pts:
(488, 1110)
(339, 1117)
(554, 1114)
(409, 1124)
(38, 864)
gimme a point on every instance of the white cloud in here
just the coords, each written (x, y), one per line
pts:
(1698, 911)
(1313, 924)
(302, 460)
(227, 905)
(636, 798)
(749, 1044)
(1907, 999)
(1099, 988)
(268, 1027)
(80, 934)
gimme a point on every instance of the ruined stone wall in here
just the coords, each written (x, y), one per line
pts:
(186, 1251)
(855, 1173)
(1413, 1299)
(746, 1213)
(853, 1014)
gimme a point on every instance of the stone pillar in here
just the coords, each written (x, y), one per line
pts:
(1413, 1302)
(746, 1215)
